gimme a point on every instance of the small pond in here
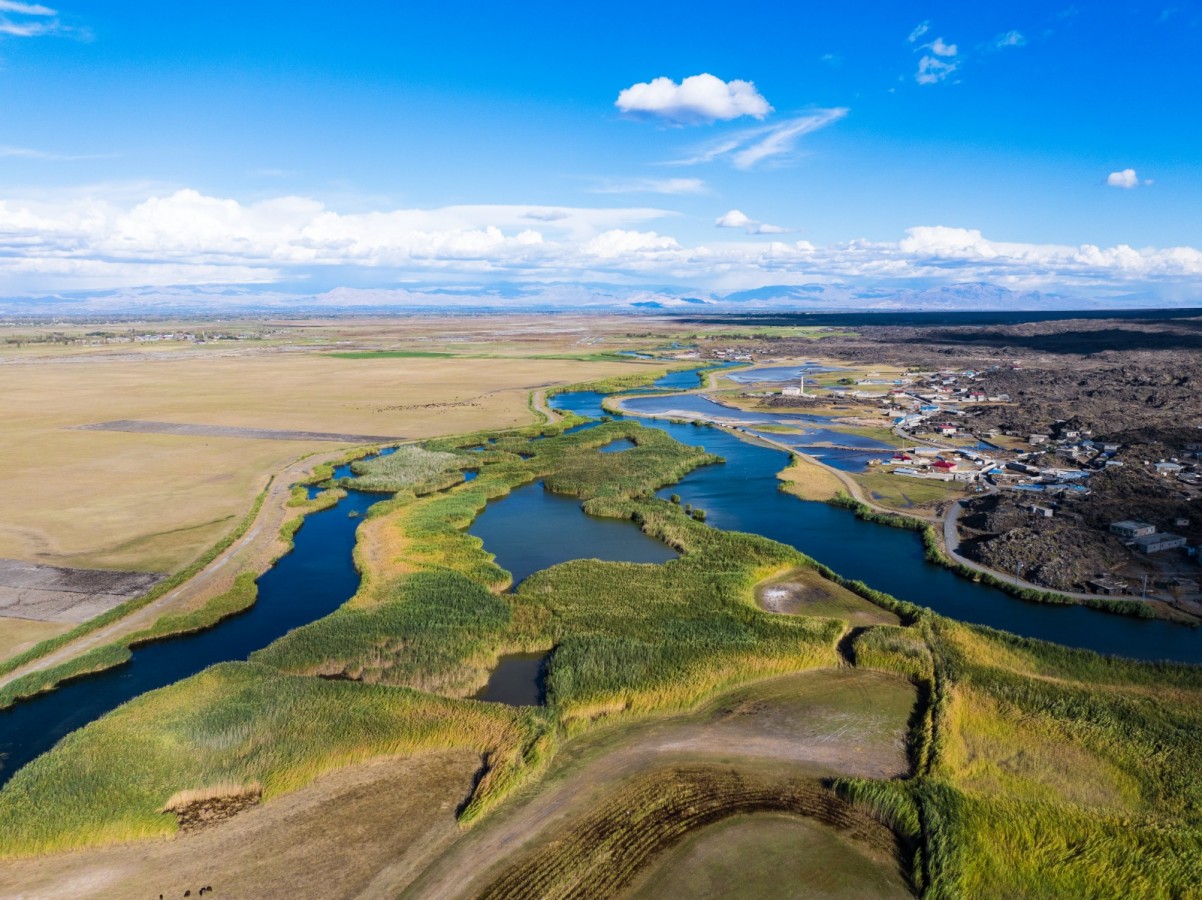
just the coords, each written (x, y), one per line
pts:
(518, 680)
(531, 528)
(621, 445)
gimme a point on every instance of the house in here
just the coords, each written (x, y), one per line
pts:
(942, 465)
(1129, 529)
(1167, 468)
(1036, 510)
(1108, 584)
(946, 428)
(1156, 543)
(1037, 439)
(902, 457)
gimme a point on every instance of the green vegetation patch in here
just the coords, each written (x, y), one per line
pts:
(240, 725)
(904, 493)
(408, 467)
(391, 354)
(436, 631)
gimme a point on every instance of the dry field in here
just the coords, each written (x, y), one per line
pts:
(152, 502)
(810, 481)
(17, 635)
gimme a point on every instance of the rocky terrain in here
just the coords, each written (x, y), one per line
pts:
(1057, 553)
(1132, 381)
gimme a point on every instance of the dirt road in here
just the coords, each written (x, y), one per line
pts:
(254, 551)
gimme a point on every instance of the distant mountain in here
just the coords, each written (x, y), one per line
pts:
(967, 296)
(561, 297)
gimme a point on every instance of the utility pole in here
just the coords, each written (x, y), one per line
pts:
(1018, 569)
(1145, 590)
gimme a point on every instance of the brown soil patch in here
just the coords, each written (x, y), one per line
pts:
(808, 726)
(603, 853)
(205, 813)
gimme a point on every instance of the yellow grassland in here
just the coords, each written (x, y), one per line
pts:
(153, 502)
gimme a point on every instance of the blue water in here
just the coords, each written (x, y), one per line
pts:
(531, 528)
(621, 445)
(318, 576)
(852, 460)
(742, 494)
(311, 581)
(518, 680)
(778, 374)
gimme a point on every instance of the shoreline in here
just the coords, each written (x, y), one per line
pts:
(945, 556)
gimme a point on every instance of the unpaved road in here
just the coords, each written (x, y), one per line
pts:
(820, 723)
(254, 551)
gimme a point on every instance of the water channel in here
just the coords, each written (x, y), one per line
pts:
(310, 582)
(532, 529)
(742, 494)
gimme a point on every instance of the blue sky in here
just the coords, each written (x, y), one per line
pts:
(302, 146)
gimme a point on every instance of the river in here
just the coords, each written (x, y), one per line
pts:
(743, 494)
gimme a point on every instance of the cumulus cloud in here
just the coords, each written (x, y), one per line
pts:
(932, 70)
(738, 219)
(188, 238)
(651, 186)
(733, 219)
(747, 148)
(939, 48)
(1124, 179)
(696, 100)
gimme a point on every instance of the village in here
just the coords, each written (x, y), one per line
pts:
(1021, 489)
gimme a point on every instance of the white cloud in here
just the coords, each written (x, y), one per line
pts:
(1124, 179)
(932, 70)
(749, 147)
(698, 99)
(733, 219)
(10, 152)
(941, 49)
(738, 219)
(26, 9)
(188, 238)
(1009, 39)
(919, 31)
(31, 20)
(651, 186)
